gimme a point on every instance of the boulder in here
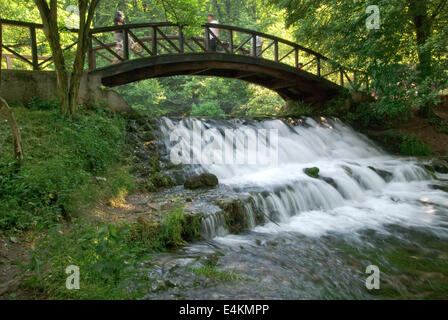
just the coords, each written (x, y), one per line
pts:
(312, 172)
(438, 165)
(204, 180)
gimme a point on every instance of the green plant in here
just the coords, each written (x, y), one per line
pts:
(63, 159)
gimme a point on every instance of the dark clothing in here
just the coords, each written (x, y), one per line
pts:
(212, 44)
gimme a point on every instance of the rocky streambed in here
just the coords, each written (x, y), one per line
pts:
(307, 227)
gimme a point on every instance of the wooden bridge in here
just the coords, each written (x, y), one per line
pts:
(153, 50)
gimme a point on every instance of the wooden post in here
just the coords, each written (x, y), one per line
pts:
(253, 52)
(207, 39)
(181, 40)
(296, 57)
(341, 76)
(91, 54)
(275, 50)
(1, 52)
(34, 55)
(318, 66)
(126, 44)
(231, 41)
(154, 41)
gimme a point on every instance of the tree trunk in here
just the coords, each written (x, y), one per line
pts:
(418, 11)
(17, 138)
(50, 22)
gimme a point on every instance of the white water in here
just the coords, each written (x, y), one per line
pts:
(312, 207)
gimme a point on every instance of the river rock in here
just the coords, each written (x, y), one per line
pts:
(438, 165)
(204, 180)
(312, 172)
(386, 175)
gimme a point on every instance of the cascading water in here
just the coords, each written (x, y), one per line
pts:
(350, 192)
(361, 198)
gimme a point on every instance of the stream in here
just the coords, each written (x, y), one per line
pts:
(307, 237)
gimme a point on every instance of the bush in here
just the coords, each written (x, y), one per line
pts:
(207, 109)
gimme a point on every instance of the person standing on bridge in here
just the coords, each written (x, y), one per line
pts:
(118, 35)
(214, 33)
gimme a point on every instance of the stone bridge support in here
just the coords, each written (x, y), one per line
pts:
(20, 87)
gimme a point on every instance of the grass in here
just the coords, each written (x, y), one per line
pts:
(108, 255)
(70, 166)
(210, 271)
(63, 158)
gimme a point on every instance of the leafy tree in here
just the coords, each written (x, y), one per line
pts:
(68, 84)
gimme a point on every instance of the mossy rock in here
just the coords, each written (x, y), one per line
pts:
(439, 187)
(157, 181)
(439, 165)
(386, 175)
(204, 180)
(312, 172)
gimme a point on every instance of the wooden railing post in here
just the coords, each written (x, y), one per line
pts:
(276, 51)
(296, 57)
(181, 40)
(91, 55)
(231, 41)
(253, 51)
(1, 49)
(318, 66)
(154, 41)
(207, 39)
(34, 56)
(341, 76)
(126, 44)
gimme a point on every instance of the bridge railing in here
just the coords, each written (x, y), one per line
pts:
(30, 50)
(163, 38)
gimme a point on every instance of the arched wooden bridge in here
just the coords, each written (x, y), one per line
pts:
(153, 50)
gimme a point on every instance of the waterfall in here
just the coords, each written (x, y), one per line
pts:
(359, 186)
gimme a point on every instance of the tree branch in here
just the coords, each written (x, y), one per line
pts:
(439, 9)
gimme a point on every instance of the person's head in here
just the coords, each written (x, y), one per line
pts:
(119, 17)
(300, 65)
(210, 17)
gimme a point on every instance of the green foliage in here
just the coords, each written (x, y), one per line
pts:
(406, 145)
(207, 109)
(175, 230)
(106, 262)
(62, 158)
(108, 255)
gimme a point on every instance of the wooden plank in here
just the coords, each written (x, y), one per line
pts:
(168, 40)
(242, 44)
(219, 42)
(18, 55)
(126, 44)
(140, 42)
(199, 44)
(286, 55)
(154, 41)
(181, 40)
(107, 48)
(275, 50)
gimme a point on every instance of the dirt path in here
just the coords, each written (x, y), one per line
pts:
(13, 252)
